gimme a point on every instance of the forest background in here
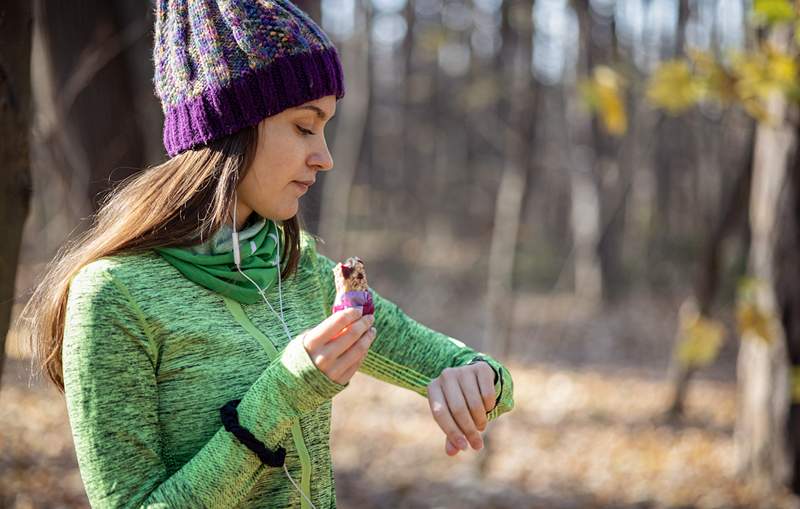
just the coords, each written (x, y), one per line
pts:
(604, 194)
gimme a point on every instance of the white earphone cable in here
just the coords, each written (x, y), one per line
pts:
(237, 262)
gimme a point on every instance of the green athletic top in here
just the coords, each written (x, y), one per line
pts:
(150, 358)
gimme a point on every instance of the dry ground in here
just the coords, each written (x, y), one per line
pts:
(576, 439)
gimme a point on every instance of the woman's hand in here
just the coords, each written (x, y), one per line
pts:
(459, 399)
(338, 345)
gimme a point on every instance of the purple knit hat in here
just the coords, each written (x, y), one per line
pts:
(223, 65)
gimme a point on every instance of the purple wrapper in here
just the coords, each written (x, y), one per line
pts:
(356, 298)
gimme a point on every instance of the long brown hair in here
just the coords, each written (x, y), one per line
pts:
(177, 203)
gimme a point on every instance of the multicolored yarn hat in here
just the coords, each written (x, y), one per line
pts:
(223, 65)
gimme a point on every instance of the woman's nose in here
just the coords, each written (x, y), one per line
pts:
(322, 159)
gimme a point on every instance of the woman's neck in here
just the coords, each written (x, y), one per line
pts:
(243, 213)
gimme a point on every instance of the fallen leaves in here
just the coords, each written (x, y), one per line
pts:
(575, 439)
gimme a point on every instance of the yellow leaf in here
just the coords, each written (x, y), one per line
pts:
(700, 340)
(796, 384)
(795, 381)
(761, 73)
(612, 110)
(797, 32)
(773, 11)
(747, 288)
(431, 39)
(753, 322)
(603, 93)
(757, 109)
(782, 68)
(713, 80)
(673, 87)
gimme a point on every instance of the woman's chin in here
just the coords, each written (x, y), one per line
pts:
(288, 212)
(282, 213)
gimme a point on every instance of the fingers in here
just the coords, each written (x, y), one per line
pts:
(441, 414)
(472, 395)
(449, 448)
(330, 328)
(458, 407)
(348, 337)
(486, 385)
(329, 344)
(348, 363)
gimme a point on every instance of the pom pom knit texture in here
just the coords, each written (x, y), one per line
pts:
(224, 65)
(150, 358)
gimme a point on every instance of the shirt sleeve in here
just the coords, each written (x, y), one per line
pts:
(110, 359)
(410, 355)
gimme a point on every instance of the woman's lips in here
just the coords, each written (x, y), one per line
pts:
(302, 185)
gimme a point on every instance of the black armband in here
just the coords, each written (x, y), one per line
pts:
(230, 419)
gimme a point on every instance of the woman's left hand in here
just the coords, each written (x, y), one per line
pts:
(459, 400)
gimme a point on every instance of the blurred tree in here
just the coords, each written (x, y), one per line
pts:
(92, 113)
(762, 433)
(311, 7)
(347, 145)
(517, 31)
(786, 258)
(95, 112)
(16, 22)
(707, 283)
(517, 136)
(764, 81)
(604, 92)
(672, 135)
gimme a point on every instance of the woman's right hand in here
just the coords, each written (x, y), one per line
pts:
(338, 345)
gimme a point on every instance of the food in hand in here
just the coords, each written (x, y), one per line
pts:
(352, 289)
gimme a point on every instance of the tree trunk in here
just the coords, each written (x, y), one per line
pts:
(517, 36)
(611, 179)
(585, 216)
(15, 110)
(349, 140)
(762, 369)
(513, 183)
(92, 93)
(708, 274)
(787, 290)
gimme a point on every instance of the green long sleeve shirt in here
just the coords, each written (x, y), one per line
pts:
(150, 357)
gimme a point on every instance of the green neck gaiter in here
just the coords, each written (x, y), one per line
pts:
(211, 265)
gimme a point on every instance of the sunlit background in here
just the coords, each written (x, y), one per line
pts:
(601, 194)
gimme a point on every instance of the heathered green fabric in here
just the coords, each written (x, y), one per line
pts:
(150, 357)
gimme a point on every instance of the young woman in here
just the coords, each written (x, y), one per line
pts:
(191, 329)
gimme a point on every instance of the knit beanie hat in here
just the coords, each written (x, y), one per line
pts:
(223, 65)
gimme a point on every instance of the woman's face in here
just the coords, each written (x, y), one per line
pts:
(291, 150)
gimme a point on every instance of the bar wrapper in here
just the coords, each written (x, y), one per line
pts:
(355, 299)
(352, 289)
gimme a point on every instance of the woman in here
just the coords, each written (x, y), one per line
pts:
(190, 328)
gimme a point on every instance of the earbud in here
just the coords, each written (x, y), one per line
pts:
(237, 255)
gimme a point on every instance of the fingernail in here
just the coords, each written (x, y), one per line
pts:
(373, 331)
(370, 318)
(462, 443)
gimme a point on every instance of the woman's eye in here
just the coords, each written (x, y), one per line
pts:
(305, 131)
